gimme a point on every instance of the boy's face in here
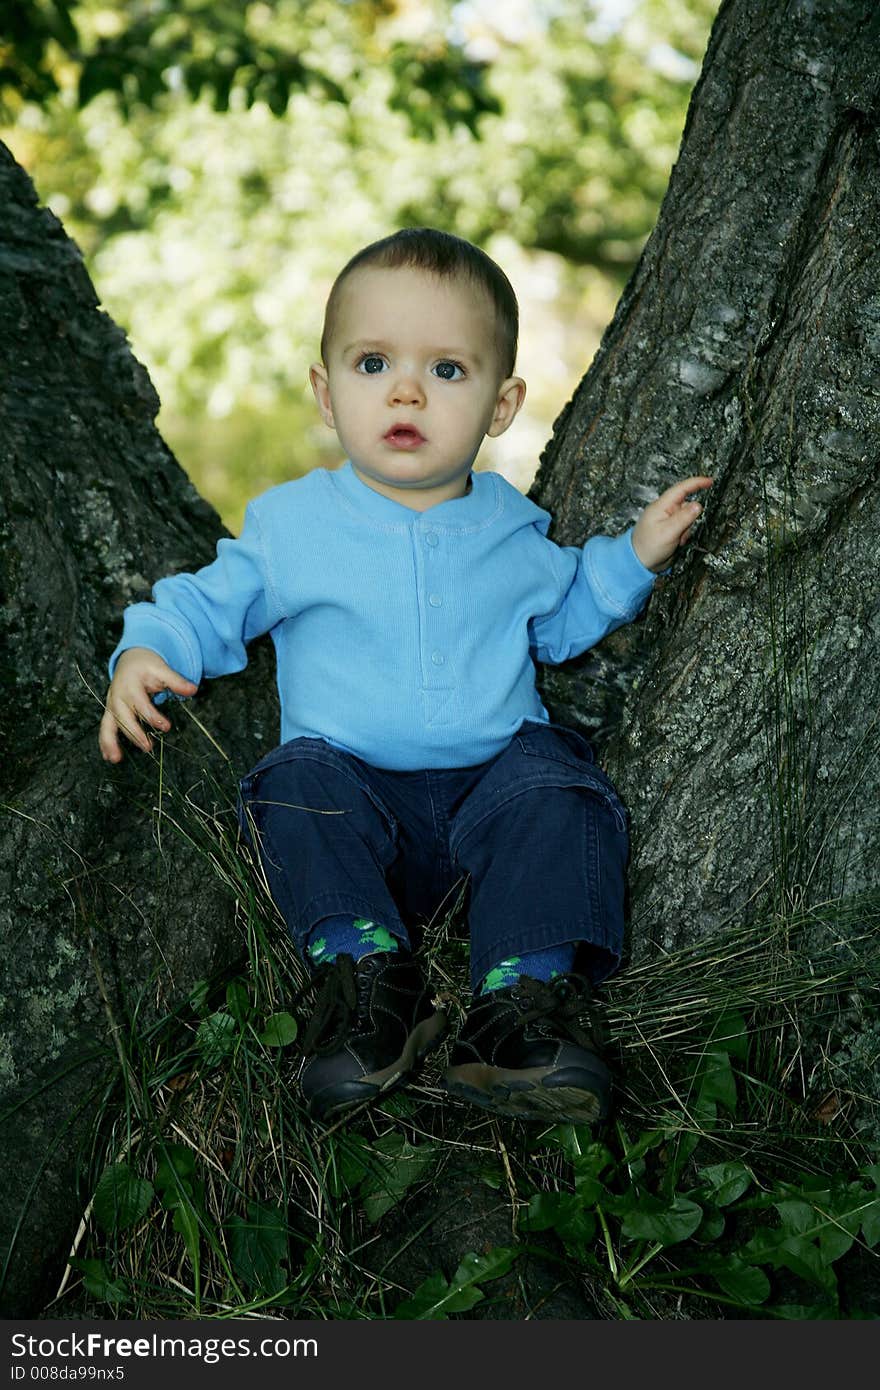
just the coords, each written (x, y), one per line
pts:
(412, 382)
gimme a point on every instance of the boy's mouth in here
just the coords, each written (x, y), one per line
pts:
(404, 437)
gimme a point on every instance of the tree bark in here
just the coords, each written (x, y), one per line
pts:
(93, 509)
(742, 712)
(739, 716)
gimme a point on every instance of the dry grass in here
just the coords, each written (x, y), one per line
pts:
(788, 981)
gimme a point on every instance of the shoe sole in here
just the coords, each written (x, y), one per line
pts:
(539, 1093)
(347, 1095)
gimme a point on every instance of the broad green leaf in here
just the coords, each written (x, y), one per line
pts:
(808, 1312)
(238, 1000)
(577, 1142)
(121, 1197)
(665, 1223)
(704, 1111)
(546, 1208)
(588, 1188)
(474, 1269)
(764, 1246)
(400, 1104)
(726, 1181)
(175, 1170)
(350, 1163)
(280, 1030)
(842, 1211)
(215, 1038)
(563, 1213)
(711, 1226)
(386, 1181)
(718, 1083)
(681, 1145)
(590, 1162)
(651, 1139)
(797, 1217)
(834, 1241)
(186, 1224)
(389, 1145)
(258, 1248)
(871, 1225)
(746, 1283)
(801, 1255)
(802, 1225)
(731, 1035)
(436, 1299)
(98, 1282)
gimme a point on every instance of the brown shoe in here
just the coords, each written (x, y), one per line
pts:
(373, 1023)
(527, 1051)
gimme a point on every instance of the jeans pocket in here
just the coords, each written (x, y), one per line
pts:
(557, 744)
(297, 761)
(545, 740)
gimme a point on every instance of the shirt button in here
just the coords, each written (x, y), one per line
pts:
(431, 538)
(438, 658)
(435, 600)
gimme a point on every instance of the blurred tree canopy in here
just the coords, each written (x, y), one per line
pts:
(218, 162)
(263, 52)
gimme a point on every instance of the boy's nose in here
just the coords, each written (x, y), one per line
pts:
(406, 390)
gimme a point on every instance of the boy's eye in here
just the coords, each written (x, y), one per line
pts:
(448, 371)
(372, 364)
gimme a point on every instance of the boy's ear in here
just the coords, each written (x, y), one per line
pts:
(511, 394)
(321, 388)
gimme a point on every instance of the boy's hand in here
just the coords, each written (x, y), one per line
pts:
(139, 674)
(665, 524)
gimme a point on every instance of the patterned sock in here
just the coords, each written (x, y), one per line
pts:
(541, 965)
(348, 936)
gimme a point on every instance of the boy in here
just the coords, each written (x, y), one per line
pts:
(408, 599)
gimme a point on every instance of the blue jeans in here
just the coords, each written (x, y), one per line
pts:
(538, 832)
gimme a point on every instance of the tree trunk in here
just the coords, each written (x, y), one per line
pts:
(93, 508)
(741, 711)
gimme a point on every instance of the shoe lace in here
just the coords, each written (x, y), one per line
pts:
(565, 1001)
(337, 1000)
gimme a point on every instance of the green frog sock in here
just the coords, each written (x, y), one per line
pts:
(540, 965)
(348, 936)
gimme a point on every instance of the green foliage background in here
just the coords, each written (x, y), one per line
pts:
(218, 163)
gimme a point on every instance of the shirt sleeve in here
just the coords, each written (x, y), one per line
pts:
(602, 586)
(200, 623)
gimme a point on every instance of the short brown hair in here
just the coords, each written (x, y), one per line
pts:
(439, 253)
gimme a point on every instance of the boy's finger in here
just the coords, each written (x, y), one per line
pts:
(149, 714)
(181, 686)
(675, 495)
(108, 740)
(167, 679)
(132, 730)
(146, 712)
(127, 718)
(124, 722)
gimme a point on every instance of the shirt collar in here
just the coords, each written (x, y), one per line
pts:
(471, 512)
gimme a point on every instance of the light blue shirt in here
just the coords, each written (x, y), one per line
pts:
(408, 638)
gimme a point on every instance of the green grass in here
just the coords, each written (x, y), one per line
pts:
(737, 1177)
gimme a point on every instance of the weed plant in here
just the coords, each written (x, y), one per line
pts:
(737, 1177)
